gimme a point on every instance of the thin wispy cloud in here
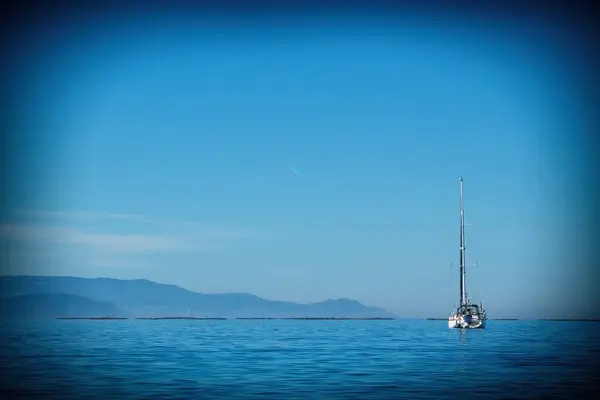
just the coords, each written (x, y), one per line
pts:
(81, 215)
(111, 242)
(172, 236)
(291, 167)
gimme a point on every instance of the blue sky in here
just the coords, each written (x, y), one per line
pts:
(162, 150)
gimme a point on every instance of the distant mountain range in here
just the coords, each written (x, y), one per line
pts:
(51, 305)
(53, 296)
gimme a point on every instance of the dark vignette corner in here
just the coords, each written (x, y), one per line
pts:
(576, 20)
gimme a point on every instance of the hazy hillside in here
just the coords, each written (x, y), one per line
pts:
(146, 298)
(52, 305)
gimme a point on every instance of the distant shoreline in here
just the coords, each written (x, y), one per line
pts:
(570, 319)
(237, 318)
(208, 318)
(94, 318)
(318, 319)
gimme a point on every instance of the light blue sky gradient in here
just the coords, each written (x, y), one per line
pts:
(161, 150)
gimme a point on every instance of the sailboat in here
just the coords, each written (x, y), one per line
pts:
(468, 315)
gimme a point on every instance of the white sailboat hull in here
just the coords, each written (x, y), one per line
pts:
(460, 322)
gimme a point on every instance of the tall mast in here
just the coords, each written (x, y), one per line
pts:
(463, 289)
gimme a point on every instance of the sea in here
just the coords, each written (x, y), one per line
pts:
(296, 359)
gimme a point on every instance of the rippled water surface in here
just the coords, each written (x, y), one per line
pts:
(298, 359)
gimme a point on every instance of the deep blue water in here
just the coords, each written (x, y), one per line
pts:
(298, 359)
